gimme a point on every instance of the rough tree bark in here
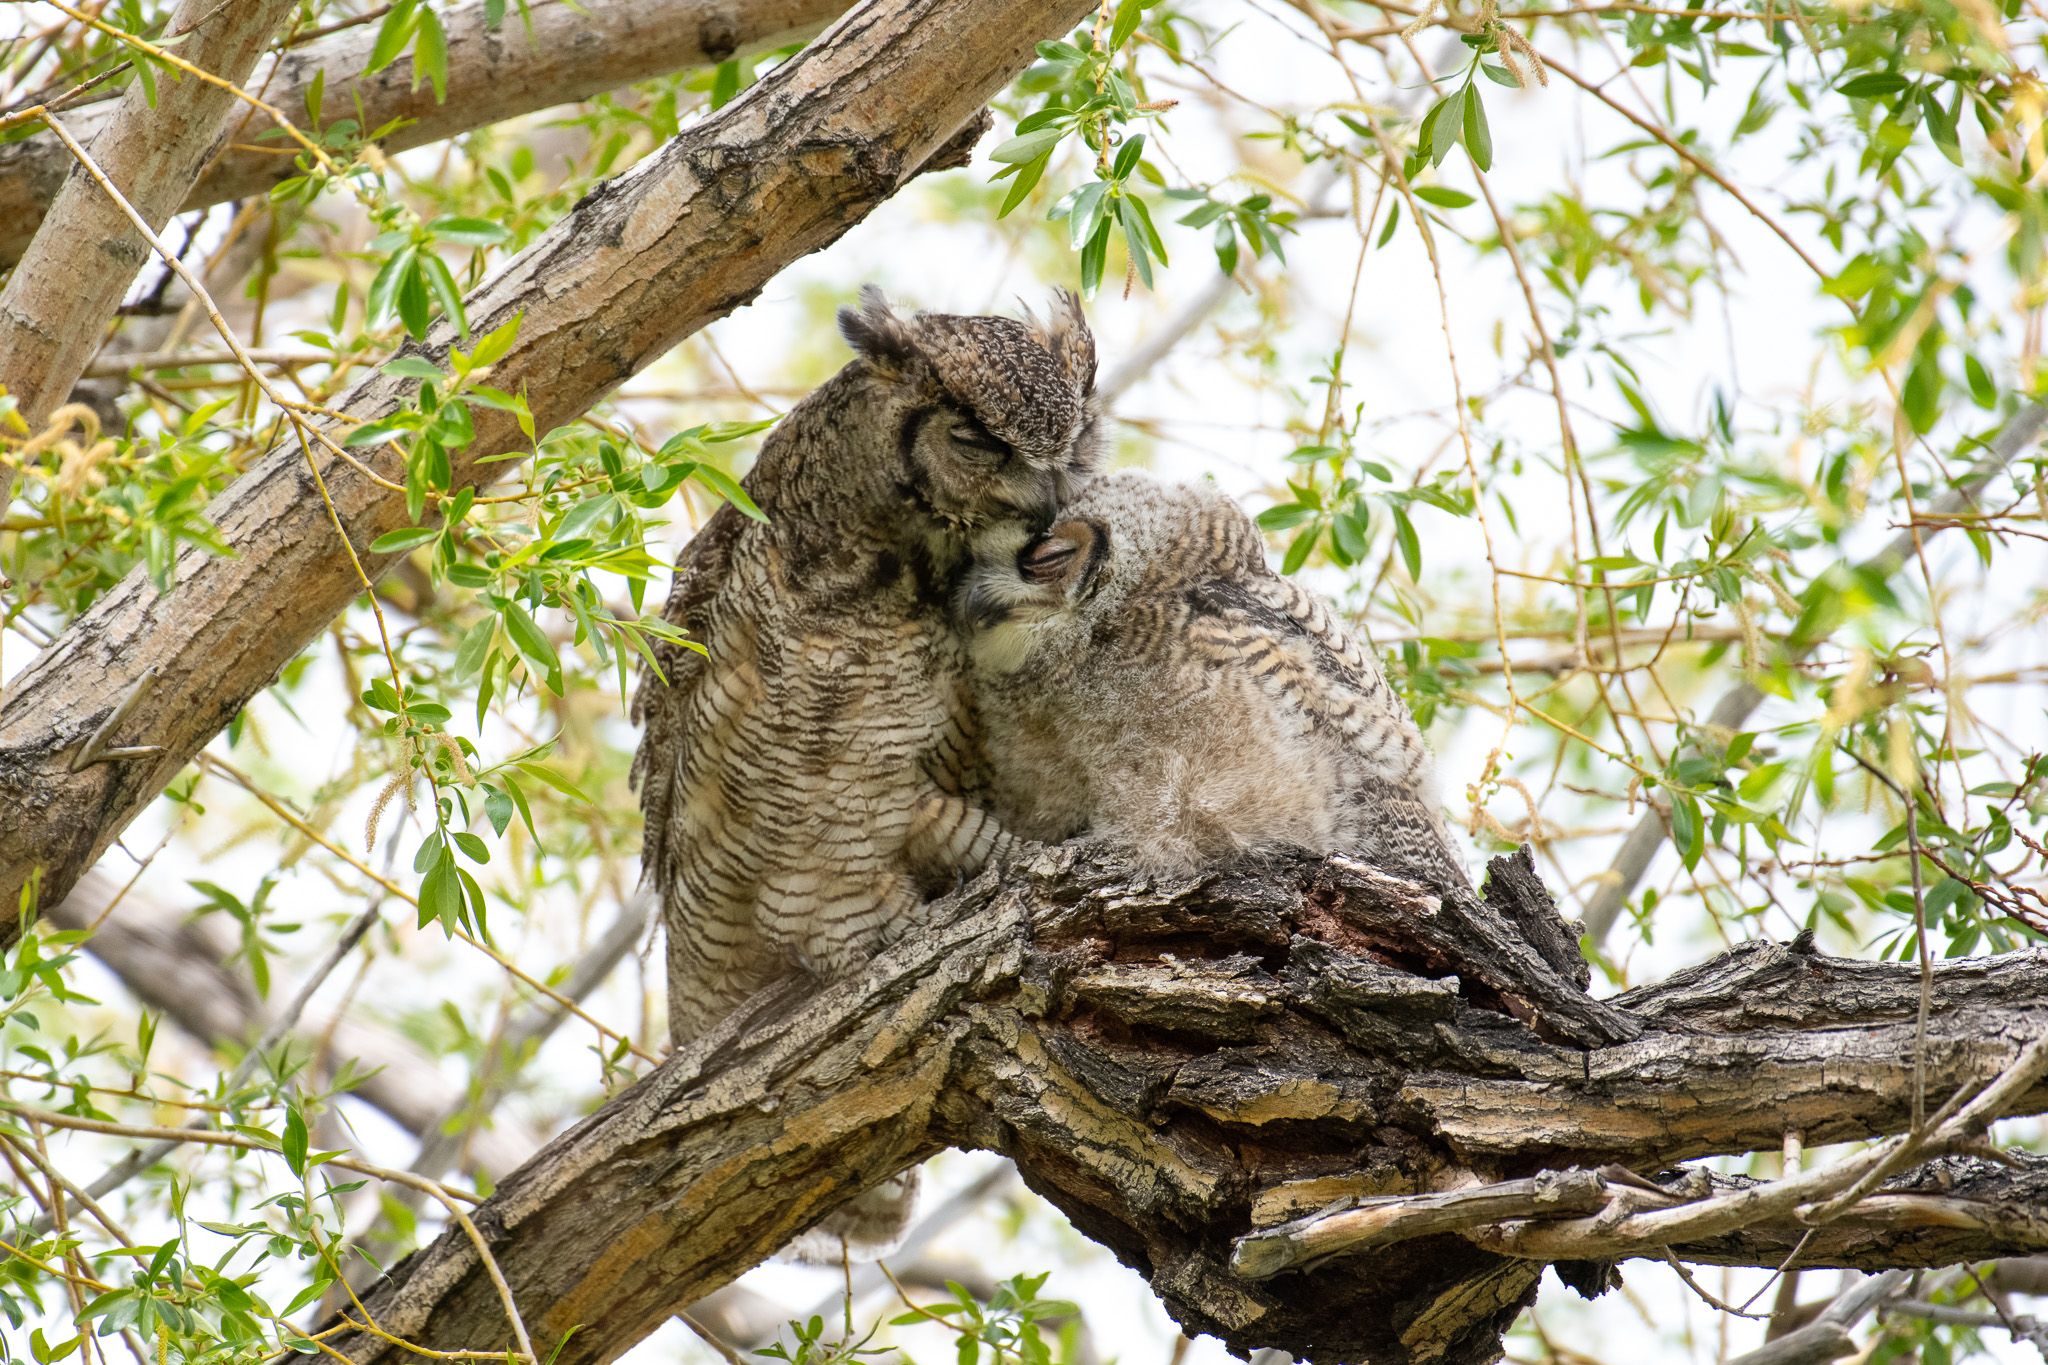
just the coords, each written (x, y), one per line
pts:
(152, 149)
(685, 237)
(493, 74)
(1210, 1076)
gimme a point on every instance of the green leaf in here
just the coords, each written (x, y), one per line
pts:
(498, 810)
(1144, 216)
(1478, 137)
(1982, 391)
(1450, 126)
(412, 537)
(1128, 155)
(1299, 549)
(1085, 208)
(1284, 516)
(1126, 22)
(468, 231)
(1921, 392)
(414, 310)
(430, 54)
(441, 895)
(446, 290)
(496, 344)
(532, 644)
(1027, 178)
(393, 35)
(384, 428)
(1442, 196)
(294, 1145)
(476, 644)
(725, 83)
(1134, 240)
(555, 780)
(1872, 86)
(1028, 146)
(414, 367)
(1093, 255)
(1688, 832)
(382, 301)
(1405, 537)
(728, 488)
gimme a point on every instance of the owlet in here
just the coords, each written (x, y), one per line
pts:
(1144, 677)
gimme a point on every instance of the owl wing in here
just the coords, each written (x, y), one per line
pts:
(1297, 649)
(661, 705)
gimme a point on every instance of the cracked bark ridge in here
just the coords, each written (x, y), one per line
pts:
(1180, 1067)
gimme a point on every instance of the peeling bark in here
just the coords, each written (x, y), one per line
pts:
(1181, 1066)
(683, 238)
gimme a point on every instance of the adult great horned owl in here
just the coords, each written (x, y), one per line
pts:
(803, 778)
(1142, 675)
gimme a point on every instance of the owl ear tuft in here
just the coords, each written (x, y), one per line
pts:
(1067, 339)
(876, 334)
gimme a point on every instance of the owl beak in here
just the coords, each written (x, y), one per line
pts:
(1039, 511)
(984, 609)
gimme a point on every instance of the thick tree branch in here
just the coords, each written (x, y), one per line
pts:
(152, 147)
(493, 74)
(1184, 1068)
(691, 233)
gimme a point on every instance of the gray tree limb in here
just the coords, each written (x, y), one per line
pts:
(179, 968)
(686, 236)
(493, 74)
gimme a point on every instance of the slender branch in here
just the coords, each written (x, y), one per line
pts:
(1827, 1337)
(140, 1160)
(1641, 846)
(179, 970)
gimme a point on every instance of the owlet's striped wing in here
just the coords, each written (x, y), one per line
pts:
(1297, 649)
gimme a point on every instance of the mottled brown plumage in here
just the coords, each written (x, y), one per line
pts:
(805, 779)
(1146, 679)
